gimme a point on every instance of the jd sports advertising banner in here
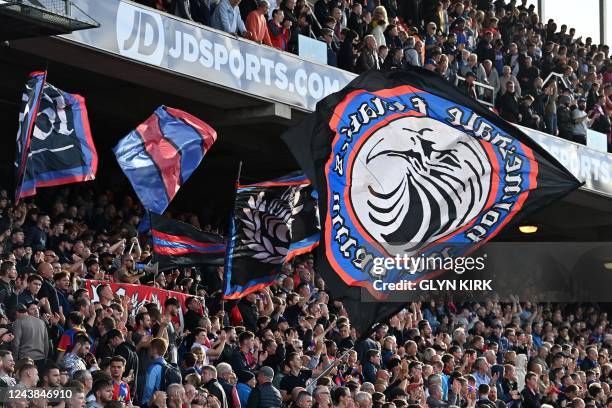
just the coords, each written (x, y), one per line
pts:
(162, 40)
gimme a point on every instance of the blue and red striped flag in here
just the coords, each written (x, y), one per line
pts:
(176, 243)
(161, 153)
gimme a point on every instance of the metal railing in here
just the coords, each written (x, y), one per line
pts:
(485, 93)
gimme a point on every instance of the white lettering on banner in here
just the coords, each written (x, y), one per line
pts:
(206, 57)
(300, 82)
(582, 162)
(141, 35)
(190, 47)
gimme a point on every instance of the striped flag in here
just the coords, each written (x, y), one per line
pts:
(161, 153)
(176, 243)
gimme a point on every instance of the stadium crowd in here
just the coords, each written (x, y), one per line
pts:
(290, 345)
(287, 345)
(504, 46)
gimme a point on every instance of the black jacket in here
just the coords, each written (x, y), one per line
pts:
(216, 389)
(48, 291)
(530, 400)
(200, 12)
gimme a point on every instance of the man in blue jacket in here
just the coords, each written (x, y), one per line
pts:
(157, 350)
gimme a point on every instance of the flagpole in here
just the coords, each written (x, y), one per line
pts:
(313, 383)
(236, 186)
(26, 146)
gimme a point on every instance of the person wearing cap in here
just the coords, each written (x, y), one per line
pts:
(265, 395)
(17, 238)
(92, 267)
(469, 88)
(246, 383)
(31, 338)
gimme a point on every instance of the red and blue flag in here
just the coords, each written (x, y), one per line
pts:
(176, 243)
(54, 142)
(160, 155)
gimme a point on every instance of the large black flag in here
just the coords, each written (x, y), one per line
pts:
(176, 243)
(404, 163)
(273, 222)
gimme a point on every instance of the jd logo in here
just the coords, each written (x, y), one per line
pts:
(140, 34)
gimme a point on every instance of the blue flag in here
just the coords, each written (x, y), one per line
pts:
(161, 153)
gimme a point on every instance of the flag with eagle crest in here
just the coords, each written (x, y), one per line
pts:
(273, 222)
(406, 164)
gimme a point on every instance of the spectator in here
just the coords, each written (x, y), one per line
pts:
(528, 117)
(226, 17)
(31, 338)
(506, 77)
(212, 385)
(121, 389)
(327, 36)
(322, 9)
(7, 368)
(508, 104)
(368, 59)
(411, 55)
(224, 373)
(265, 394)
(200, 11)
(246, 383)
(530, 394)
(256, 24)
(279, 30)
(103, 392)
(491, 79)
(394, 59)
(36, 237)
(155, 371)
(8, 293)
(527, 75)
(28, 376)
(469, 86)
(356, 21)
(74, 360)
(347, 54)
(564, 117)
(581, 120)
